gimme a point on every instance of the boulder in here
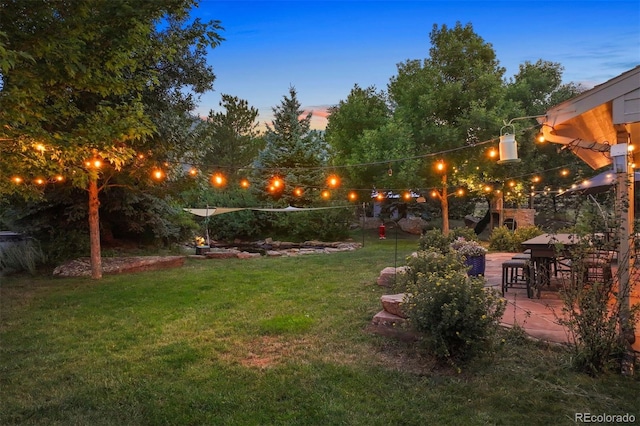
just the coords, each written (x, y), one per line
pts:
(387, 277)
(247, 255)
(222, 254)
(392, 303)
(414, 225)
(387, 319)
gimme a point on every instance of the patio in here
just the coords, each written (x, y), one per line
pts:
(538, 316)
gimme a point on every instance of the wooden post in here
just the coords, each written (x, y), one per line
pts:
(94, 229)
(444, 203)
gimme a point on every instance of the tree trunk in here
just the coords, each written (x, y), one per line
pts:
(94, 229)
(444, 203)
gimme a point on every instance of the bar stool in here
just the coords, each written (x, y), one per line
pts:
(516, 272)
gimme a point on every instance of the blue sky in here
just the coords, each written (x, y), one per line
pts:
(323, 48)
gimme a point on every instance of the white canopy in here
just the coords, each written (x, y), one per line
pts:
(214, 211)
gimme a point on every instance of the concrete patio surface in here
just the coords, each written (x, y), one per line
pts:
(538, 317)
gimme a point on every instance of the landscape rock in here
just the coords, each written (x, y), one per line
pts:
(117, 265)
(392, 303)
(247, 255)
(387, 277)
(414, 225)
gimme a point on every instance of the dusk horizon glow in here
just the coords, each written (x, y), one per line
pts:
(324, 48)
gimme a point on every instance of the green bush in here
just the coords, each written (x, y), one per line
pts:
(23, 256)
(464, 232)
(458, 315)
(501, 239)
(434, 240)
(523, 234)
(428, 262)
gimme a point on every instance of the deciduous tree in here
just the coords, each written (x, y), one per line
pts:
(75, 103)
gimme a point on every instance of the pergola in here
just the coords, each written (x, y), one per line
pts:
(601, 126)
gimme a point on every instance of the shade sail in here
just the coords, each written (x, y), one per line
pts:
(214, 211)
(597, 184)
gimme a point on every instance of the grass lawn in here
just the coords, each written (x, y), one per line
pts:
(262, 342)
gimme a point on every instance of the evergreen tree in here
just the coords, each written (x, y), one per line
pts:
(291, 167)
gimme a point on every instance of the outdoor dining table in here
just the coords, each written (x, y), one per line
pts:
(547, 250)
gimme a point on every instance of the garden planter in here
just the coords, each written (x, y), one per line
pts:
(477, 264)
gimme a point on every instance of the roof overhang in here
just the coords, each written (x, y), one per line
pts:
(593, 121)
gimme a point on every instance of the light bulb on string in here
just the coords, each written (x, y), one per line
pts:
(157, 174)
(244, 183)
(333, 181)
(353, 196)
(218, 179)
(17, 180)
(326, 194)
(298, 192)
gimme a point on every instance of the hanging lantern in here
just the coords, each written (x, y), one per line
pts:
(508, 148)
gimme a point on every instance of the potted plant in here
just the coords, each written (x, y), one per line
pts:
(473, 253)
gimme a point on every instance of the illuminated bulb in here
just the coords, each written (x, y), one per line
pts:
(244, 183)
(157, 174)
(380, 197)
(630, 147)
(434, 194)
(353, 196)
(276, 183)
(487, 188)
(492, 153)
(40, 147)
(97, 164)
(193, 171)
(540, 137)
(326, 194)
(141, 156)
(512, 184)
(218, 179)
(333, 181)
(536, 179)
(17, 179)
(564, 172)
(460, 192)
(59, 178)
(440, 166)
(298, 192)
(407, 196)
(39, 181)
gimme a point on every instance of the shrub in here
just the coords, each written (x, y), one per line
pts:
(457, 314)
(434, 240)
(523, 234)
(501, 239)
(23, 256)
(591, 318)
(428, 262)
(464, 232)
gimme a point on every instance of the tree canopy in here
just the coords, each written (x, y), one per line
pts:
(87, 85)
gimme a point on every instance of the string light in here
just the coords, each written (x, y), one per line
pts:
(326, 194)
(298, 192)
(158, 174)
(193, 171)
(353, 196)
(244, 183)
(333, 181)
(218, 179)
(17, 180)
